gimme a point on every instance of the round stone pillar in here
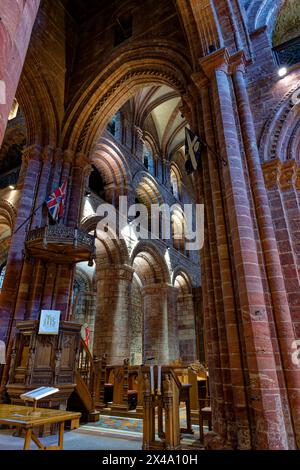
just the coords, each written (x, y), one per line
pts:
(282, 315)
(264, 392)
(113, 311)
(17, 279)
(160, 323)
(80, 172)
(186, 327)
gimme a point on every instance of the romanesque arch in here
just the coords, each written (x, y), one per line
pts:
(160, 339)
(112, 165)
(261, 13)
(161, 62)
(280, 136)
(148, 262)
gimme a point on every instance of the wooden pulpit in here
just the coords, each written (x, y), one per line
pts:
(44, 360)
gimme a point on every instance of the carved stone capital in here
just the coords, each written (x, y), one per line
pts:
(32, 152)
(297, 179)
(81, 161)
(237, 62)
(218, 60)
(288, 174)
(47, 154)
(271, 171)
(200, 80)
(58, 155)
(68, 156)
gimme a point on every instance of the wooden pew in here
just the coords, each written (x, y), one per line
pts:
(124, 382)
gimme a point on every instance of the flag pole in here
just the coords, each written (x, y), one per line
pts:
(221, 159)
(29, 217)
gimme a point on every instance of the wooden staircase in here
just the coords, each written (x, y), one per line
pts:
(87, 376)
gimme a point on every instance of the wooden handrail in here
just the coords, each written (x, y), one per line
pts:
(88, 368)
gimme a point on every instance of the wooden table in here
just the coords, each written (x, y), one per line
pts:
(19, 417)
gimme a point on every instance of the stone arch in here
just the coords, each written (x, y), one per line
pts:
(37, 99)
(175, 179)
(178, 227)
(5, 240)
(8, 209)
(182, 280)
(149, 264)
(113, 167)
(114, 279)
(147, 189)
(141, 64)
(160, 338)
(279, 138)
(262, 13)
(110, 250)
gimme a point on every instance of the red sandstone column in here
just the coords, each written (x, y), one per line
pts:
(65, 175)
(55, 170)
(283, 320)
(278, 183)
(13, 294)
(35, 295)
(43, 187)
(113, 312)
(17, 19)
(224, 292)
(63, 289)
(217, 314)
(218, 405)
(264, 388)
(80, 172)
(160, 325)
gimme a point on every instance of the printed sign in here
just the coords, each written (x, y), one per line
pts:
(49, 322)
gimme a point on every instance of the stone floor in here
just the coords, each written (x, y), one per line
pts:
(73, 440)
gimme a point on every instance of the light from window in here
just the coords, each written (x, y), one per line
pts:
(2, 274)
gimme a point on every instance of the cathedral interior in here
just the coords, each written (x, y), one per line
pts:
(97, 97)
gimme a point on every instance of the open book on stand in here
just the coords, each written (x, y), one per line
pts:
(38, 393)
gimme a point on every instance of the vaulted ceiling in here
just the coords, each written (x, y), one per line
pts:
(158, 108)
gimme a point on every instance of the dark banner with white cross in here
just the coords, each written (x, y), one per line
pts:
(193, 148)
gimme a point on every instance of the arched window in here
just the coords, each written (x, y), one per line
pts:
(178, 229)
(2, 274)
(175, 181)
(96, 183)
(148, 159)
(111, 126)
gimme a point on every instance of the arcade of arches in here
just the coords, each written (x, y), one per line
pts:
(98, 94)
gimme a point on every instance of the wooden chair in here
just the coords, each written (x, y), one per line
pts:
(184, 396)
(109, 386)
(204, 407)
(132, 392)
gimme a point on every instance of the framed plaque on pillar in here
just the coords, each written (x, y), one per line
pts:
(49, 322)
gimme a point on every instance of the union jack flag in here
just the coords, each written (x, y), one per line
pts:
(56, 201)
